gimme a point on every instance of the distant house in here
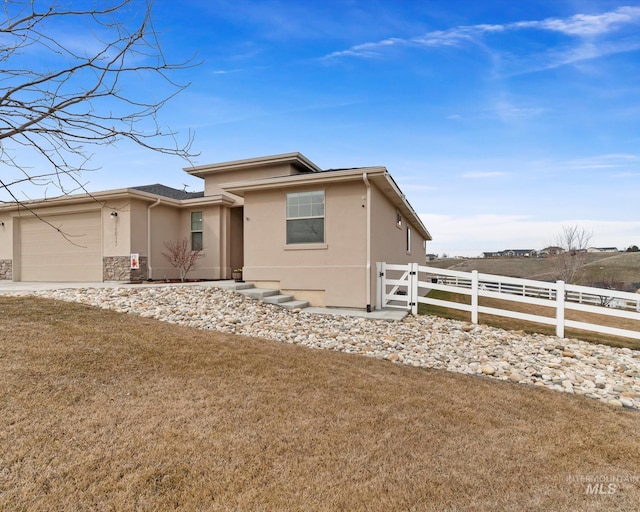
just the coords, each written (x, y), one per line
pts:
(511, 253)
(602, 249)
(551, 250)
(287, 223)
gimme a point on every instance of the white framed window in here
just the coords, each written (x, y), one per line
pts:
(408, 240)
(196, 231)
(305, 217)
(398, 219)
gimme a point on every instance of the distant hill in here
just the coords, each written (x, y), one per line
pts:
(619, 270)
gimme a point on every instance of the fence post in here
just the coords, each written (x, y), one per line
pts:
(474, 296)
(413, 283)
(380, 284)
(560, 309)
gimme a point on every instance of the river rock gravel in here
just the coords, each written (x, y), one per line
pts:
(597, 371)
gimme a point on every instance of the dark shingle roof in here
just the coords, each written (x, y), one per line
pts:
(173, 193)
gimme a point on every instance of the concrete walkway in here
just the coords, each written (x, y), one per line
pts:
(26, 288)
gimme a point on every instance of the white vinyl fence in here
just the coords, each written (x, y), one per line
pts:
(405, 286)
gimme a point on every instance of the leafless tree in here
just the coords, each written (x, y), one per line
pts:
(67, 80)
(181, 256)
(574, 241)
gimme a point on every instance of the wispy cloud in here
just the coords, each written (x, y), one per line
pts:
(507, 111)
(581, 26)
(484, 174)
(224, 71)
(585, 25)
(451, 37)
(611, 161)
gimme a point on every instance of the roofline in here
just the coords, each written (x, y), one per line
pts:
(239, 187)
(373, 173)
(121, 193)
(397, 190)
(296, 158)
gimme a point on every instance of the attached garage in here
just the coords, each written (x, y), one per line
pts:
(46, 255)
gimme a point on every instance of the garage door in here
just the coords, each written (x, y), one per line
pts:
(48, 256)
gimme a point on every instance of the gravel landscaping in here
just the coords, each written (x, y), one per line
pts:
(568, 365)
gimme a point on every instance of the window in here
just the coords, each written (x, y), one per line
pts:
(408, 240)
(398, 219)
(196, 231)
(305, 218)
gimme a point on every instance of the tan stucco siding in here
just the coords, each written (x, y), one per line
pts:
(214, 225)
(138, 223)
(337, 267)
(117, 230)
(165, 227)
(388, 241)
(6, 236)
(169, 223)
(213, 180)
(215, 262)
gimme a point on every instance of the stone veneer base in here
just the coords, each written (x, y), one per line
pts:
(118, 268)
(6, 270)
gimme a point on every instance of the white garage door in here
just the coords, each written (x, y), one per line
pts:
(48, 256)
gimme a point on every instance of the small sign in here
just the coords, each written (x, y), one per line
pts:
(135, 261)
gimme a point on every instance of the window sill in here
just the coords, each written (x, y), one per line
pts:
(305, 247)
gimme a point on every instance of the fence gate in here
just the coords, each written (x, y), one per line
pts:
(398, 286)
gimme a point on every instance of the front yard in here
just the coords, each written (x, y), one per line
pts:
(105, 411)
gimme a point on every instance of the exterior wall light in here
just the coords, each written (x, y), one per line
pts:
(114, 215)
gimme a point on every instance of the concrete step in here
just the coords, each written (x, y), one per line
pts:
(294, 304)
(278, 299)
(264, 294)
(232, 285)
(258, 293)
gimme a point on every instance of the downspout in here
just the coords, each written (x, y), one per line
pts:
(368, 281)
(149, 269)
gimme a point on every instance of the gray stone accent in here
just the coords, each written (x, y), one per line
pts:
(118, 268)
(6, 270)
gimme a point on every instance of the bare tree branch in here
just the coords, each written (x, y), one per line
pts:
(69, 100)
(574, 242)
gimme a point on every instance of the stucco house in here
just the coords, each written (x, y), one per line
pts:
(290, 225)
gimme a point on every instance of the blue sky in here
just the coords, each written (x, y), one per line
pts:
(501, 121)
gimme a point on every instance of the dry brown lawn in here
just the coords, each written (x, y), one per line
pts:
(111, 412)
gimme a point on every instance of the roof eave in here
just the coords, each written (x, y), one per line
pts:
(297, 159)
(405, 206)
(123, 193)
